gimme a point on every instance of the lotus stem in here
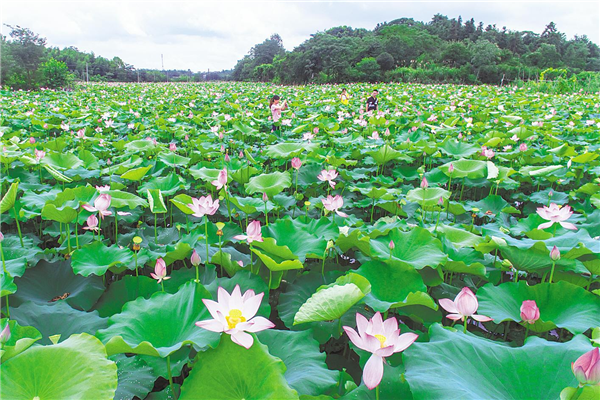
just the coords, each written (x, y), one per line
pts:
(270, 277)
(462, 187)
(377, 392)
(76, 230)
(116, 228)
(170, 375)
(155, 231)
(206, 237)
(526, 333)
(68, 239)
(465, 326)
(266, 214)
(228, 205)
(552, 272)
(162, 285)
(18, 226)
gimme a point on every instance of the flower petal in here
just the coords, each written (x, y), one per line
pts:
(250, 305)
(481, 318)
(448, 305)
(243, 339)
(259, 324)
(373, 372)
(545, 225)
(568, 225)
(404, 341)
(210, 325)
(454, 317)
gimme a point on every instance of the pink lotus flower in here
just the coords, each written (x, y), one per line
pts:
(172, 146)
(195, 258)
(523, 147)
(123, 213)
(92, 223)
(265, 198)
(424, 183)
(101, 205)
(489, 153)
(204, 206)
(333, 204)
(451, 168)
(555, 214)
(235, 315)
(382, 339)
(227, 158)
(221, 180)
(5, 334)
(375, 136)
(296, 163)
(587, 368)
(253, 233)
(39, 154)
(392, 245)
(104, 188)
(32, 140)
(464, 306)
(329, 176)
(308, 136)
(530, 311)
(160, 271)
(555, 254)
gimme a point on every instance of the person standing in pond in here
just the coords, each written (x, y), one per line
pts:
(344, 97)
(276, 109)
(373, 102)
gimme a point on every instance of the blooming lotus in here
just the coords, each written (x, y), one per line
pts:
(221, 180)
(587, 368)
(101, 205)
(296, 163)
(424, 183)
(92, 224)
(39, 154)
(530, 312)
(160, 271)
(554, 214)
(464, 306)
(204, 206)
(173, 146)
(104, 188)
(235, 315)
(382, 339)
(328, 176)
(253, 233)
(333, 204)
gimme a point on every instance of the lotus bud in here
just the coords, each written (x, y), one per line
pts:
(31, 140)
(587, 368)
(296, 163)
(451, 168)
(392, 245)
(555, 254)
(424, 184)
(569, 163)
(265, 197)
(195, 258)
(441, 201)
(172, 147)
(227, 158)
(1, 237)
(241, 154)
(530, 312)
(5, 334)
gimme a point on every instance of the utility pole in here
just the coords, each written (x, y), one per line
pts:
(138, 72)
(87, 75)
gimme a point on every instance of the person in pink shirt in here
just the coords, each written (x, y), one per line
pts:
(276, 109)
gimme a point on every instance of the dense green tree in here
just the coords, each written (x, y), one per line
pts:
(28, 50)
(55, 74)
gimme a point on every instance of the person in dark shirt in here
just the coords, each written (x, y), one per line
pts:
(372, 102)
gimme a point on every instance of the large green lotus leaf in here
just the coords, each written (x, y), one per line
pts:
(495, 204)
(532, 170)
(394, 286)
(459, 237)
(57, 319)
(271, 184)
(306, 370)
(288, 150)
(538, 370)
(242, 175)
(385, 153)
(135, 377)
(124, 290)
(181, 201)
(233, 372)
(75, 369)
(586, 392)
(120, 199)
(140, 145)
(64, 215)
(136, 174)
(301, 242)
(537, 259)
(73, 197)
(417, 248)
(272, 259)
(206, 174)
(47, 281)
(323, 228)
(247, 205)
(95, 258)
(62, 161)
(156, 201)
(329, 303)
(392, 386)
(561, 304)
(427, 197)
(56, 174)
(472, 169)
(465, 260)
(160, 325)
(173, 159)
(9, 198)
(21, 338)
(7, 284)
(458, 148)
(168, 185)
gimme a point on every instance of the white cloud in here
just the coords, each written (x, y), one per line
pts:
(202, 35)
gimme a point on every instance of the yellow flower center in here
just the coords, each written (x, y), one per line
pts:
(381, 339)
(234, 318)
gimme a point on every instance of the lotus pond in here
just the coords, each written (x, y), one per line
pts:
(160, 241)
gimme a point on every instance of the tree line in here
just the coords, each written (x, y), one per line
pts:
(26, 62)
(442, 50)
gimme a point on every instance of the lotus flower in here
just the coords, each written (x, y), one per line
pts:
(333, 204)
(296, 163)
(195, 258)
(530, 312)
(424, 183)
(555, 254)
(253, 233)
(104, 188)
(101, 205)
(329, 176)
(554, 214)
(39, 154)
(382, 339)
(235, 315)
(221, 180)
(523, 147)
(172, 146)
(160, 271)
(451, 168)
(464, 306)
(5, 334)
(587, 368)
(204, 206)
(92, 223)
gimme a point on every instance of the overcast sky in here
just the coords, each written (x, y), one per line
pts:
(214, 35)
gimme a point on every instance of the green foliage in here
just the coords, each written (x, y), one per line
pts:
(55, 74)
